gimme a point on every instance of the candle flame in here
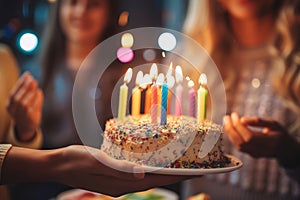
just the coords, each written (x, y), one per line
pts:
(191, 83)
(187, 78)
(178, 74)
(170, 70)
(139, 78)
(203, 79)
(128, 75)
(170, 81)
(160, 79)
(153, 71)
(145, 81)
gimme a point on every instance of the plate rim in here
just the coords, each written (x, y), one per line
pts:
(200, 171)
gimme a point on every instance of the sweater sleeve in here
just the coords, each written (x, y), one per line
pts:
(4, 148)
(35, 143)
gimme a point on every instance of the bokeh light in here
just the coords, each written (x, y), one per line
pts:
(149, 55)
(127, 40)
(167, 41)
(123, 18)
(125, 54)
(28, 42)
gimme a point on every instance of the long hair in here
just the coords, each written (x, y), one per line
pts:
(208, 24)
(54, 42)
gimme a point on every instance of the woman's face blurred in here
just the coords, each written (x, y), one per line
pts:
(243, 9)
(83, 20)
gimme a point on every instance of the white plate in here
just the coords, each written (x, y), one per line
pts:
(234, 165)
(76, 194)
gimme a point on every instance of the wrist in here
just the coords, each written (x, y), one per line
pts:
(28, 165)
(24, 135)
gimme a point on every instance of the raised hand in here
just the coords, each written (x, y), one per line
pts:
(255, 136)
(25, 107)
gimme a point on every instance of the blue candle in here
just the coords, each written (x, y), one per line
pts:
(164, 103)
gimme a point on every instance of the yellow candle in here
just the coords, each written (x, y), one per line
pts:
(136, 101)
(169, 102)
(136, 95)
(123, 95)
(158, 99)
(202, 98)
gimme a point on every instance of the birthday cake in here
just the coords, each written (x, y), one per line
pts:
(177, 144)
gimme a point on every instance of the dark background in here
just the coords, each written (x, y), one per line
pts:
(19, 16)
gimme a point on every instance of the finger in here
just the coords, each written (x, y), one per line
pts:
(20, 83)
(118, 168)
(38, 101)
(29, 86)
(244, 132)
(234, 137)
(256, 121)
(29, 99)
(10, 105)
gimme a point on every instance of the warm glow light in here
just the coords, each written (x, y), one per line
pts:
(167, 41)
(153, 71)
(139, 78)
(128, 75)
(170, 81)
(203, 79)
(170, 70)
(127, 40)
(178, 74)
(123, 18)
(191, 83)
(160, 79)
(146, 81)
(163, 54)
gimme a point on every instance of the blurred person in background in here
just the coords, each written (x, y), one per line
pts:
(20, 106)
(74, 28)
(255, 45)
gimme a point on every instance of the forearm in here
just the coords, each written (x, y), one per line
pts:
(28, 165)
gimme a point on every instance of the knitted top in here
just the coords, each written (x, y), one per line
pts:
(252, 95)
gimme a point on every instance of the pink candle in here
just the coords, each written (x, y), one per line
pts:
(154, 105)
(178, 100)
(178, 91)
(192, 98)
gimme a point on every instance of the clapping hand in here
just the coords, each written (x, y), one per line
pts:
(24, 106)
(255, 136)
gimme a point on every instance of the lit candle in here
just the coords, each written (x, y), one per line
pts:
(170, 83)
(154, 108)
(178, 91)
(159, 81)
(147, 85)
(123, 95)
(152, 77)
(164, 100)
(136, 95)
(192, 96)
(202, 98)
